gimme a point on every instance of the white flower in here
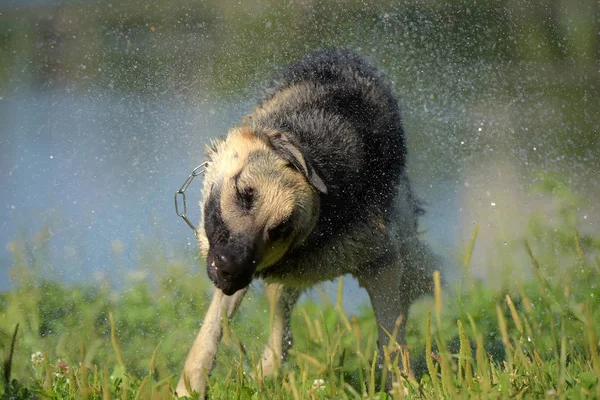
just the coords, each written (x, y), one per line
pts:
(318, 384)
(37, 358)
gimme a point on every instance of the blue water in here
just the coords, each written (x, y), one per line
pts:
(101, 172)
(97, 170)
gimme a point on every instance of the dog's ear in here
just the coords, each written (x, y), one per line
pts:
(289, 151)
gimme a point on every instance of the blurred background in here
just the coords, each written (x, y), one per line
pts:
(105, 108)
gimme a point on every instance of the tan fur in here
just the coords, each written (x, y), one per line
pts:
(275, 201)
(200, 358)
(293, 95)
(281, 299)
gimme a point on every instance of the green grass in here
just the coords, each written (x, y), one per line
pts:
(536, 337)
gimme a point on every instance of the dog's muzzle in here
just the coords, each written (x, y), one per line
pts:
(229, 270)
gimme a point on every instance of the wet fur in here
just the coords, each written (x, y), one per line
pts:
(326, 142)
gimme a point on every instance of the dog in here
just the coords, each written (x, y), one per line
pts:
(310, 186)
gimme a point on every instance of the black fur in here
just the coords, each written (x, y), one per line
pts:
(349, 129)
(216, 229)
(230, 261)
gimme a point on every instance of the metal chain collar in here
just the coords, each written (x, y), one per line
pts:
(200, 169)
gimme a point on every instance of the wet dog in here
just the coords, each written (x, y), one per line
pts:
(308, 187)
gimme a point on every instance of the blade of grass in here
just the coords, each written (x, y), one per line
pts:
(470, 249)
(504, 331)
(114, 342)
(429, 359)
(593, 342)
(467, 356)
(106, 394)
(387, 366)
(151, 369)
(48, 378)
(141, 388)
(293, 386)
(311, 360)
(338, 305)
(563, 359)
(372, 375)
(9, 358)
(391, 348)
(514, 314)
(153, 361)
(85, 386)
(73, 382)
(125, 391)
(95, 377)
(359, 353)
(438, 297)
(446, 370)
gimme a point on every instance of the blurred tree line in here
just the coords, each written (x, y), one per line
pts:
(216, 47)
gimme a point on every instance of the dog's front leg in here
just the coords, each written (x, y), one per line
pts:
(282, 300)
(201, 357)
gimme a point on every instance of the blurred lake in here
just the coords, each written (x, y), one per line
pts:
(105, 108)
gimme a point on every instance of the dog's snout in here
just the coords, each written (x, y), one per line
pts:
(231, 268)
(221, 260)
(225, 269)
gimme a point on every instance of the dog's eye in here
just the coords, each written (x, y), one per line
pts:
(280, 231)
(246, 197)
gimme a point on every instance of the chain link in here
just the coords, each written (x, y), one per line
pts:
(200, 169)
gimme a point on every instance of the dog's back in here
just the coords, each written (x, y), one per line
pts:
(346, 120)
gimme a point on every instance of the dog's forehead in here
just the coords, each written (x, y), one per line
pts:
(243, 140)
(248, 159)
(233, 153)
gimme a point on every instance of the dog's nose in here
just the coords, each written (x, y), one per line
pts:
(221, 259)
(230, 268)
(225, 269)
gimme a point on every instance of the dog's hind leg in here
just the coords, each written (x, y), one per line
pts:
(393, 283)
(201, 357)
(388, 301)
(282, 300)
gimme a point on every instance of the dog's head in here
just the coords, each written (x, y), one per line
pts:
(261, 199)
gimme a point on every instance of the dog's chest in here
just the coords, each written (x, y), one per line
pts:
(346, 254)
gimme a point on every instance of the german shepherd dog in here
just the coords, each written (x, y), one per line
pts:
(308, 187)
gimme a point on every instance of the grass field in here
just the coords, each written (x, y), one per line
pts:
(535, 337)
